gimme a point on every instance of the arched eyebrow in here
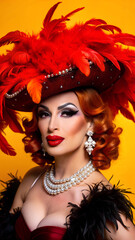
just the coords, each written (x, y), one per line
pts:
(59, 108)
(43, 106)
(65, 105)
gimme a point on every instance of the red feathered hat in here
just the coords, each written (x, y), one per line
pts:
(60, 59)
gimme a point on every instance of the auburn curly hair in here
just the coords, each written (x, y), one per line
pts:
(106, 134)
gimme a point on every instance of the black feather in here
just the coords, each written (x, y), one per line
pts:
(7, 220)
(8, 193)
(102, 205)
(7, 225)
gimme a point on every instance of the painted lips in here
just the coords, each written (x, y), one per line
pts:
(54, 140)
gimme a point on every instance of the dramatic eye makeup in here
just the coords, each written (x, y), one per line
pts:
(65, 110)
(68, 112)
(43, 114)
(43, 111)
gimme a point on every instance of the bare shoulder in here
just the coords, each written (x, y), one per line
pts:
(33, 173)
(98, 177)
(25, 185)
(123, 233)
(29, 178)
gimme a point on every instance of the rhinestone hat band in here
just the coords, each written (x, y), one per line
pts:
(60, 73)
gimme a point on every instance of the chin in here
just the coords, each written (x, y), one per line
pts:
(58, 152)
(55, 152)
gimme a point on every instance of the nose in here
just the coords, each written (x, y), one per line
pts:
(53, 124)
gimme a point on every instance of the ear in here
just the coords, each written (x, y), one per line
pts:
(90, 126)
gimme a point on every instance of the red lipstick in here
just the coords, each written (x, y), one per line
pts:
(54, 140)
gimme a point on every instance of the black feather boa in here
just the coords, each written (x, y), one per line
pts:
(7, 220)
(88, 221)
(8, 193)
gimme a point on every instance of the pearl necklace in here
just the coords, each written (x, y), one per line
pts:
(54, 186)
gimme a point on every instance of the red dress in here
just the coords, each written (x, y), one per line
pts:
(41, 233)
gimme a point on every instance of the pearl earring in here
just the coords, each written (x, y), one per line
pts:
(90, 143)
(43, 149)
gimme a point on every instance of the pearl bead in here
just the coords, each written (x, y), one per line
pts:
(54, 186)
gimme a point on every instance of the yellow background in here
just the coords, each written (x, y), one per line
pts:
(27, 16)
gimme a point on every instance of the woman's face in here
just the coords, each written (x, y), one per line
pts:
(62, 124)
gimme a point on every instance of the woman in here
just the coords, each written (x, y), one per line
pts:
(71, 135)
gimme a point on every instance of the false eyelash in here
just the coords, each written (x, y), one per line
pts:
(69, 113)
(42, 114)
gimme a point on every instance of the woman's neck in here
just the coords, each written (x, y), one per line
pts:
(67, 165)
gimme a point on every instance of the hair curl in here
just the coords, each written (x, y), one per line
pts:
(106, 134)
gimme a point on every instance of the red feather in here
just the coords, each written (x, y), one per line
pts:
(96, 58)
(12, 37)
(95, 22)
(125, 38)
(108, 28)
(50, 14)
(73, 12)
(52, 10)
(24, 77)
(111, 58)
(34, 88)
(127, 65)
(12, 119)
(4, 66)
(5, 147)
(3, 125)
(126, 113)
(133, 105)
(53, 27)
(79, 58)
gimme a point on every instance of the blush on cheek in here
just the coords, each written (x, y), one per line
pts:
(79, 124)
